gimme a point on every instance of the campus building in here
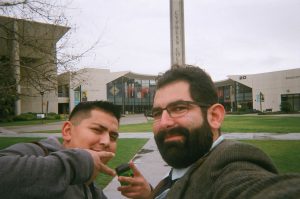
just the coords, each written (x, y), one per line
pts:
(134, 92)
(131, 91)
(262, 92)
(28, 49)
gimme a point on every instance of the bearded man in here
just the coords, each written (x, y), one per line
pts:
(187, 122)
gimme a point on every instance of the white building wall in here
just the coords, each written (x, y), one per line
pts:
(93, 83)
(31, 100)
(272, 85)
(34, 103)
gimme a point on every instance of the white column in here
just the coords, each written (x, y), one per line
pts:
(177, 33)
(15, 61)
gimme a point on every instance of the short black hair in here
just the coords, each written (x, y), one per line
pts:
(202, 88)
(87, 107)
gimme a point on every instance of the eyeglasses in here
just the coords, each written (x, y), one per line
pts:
(176, 109)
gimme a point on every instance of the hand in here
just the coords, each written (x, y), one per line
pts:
(99, 165)
(137, 188)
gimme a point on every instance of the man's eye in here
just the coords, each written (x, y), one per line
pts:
(114, 136)
(97, 130)
(178, 108)
(156, 113)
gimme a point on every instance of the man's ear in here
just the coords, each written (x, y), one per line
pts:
(215, 116)
(66, 131)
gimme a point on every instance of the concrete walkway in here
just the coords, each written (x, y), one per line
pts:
(128, 119)
(230, 136)
(149, 163)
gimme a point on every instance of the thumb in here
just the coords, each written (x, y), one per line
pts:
(135, 170)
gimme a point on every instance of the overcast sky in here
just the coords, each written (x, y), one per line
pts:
(225, 37)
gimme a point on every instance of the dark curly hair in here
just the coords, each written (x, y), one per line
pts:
(202, 88)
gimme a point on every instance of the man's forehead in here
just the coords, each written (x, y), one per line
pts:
(96, 116)
(106, 124)
(172, 92)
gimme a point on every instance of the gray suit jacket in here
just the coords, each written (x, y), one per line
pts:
(235, 170)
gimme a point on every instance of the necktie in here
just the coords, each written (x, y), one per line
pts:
(163, 185)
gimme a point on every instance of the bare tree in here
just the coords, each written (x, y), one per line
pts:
(38, 10)
(34, 71)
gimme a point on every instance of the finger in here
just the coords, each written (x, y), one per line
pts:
(126, 180)
(105, 154)
(128, 191)
(135, 170)
(131, 194)
(105, 169)
(125, 188)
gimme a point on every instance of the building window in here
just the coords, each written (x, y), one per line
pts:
(293, 99)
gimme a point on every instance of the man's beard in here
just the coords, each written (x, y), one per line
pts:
(181, 154)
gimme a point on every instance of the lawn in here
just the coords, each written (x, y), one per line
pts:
(143, 127)
(232, 123)
(32, 122)
(127, 148)
(273, 124)
(285, 154)
(239, 123)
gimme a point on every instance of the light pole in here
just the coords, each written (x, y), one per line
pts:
(42, 95)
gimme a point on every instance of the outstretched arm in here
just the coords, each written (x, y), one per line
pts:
(26, 172)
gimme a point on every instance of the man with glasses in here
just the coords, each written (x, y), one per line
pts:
(187, 122)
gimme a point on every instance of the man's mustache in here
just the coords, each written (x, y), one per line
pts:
(161, 135)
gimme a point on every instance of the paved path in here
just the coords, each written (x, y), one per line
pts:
(149, 163)
(129, 119)
(231, 136)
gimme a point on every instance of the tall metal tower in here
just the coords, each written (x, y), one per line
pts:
(177, 33)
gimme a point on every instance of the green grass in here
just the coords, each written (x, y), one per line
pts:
(272, 124)
(47, 131)
(243, 124)
(126, 150)
(285, 154)
(143, 127)
(7, 141)
(232, 123)
(32, 122)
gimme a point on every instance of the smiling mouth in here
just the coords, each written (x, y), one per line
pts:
(174, 138)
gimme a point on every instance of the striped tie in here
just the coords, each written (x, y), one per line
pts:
(163, 187)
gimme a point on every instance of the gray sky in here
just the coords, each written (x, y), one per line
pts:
(225, 37)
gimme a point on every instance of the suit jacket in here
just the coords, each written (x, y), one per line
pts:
(235, 170)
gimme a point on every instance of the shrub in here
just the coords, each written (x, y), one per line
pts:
(25, 117)
(6, 107)
(53, 116)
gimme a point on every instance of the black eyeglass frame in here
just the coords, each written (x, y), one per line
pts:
(179, 102)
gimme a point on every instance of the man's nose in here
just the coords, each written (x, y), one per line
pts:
(105, 139)
(166, 121)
